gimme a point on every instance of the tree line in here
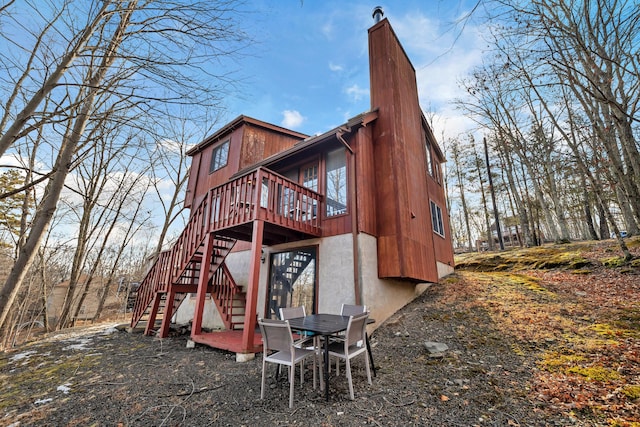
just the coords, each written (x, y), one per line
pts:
(557, 97)
(100, 101)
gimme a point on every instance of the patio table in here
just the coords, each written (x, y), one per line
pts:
(327, 325)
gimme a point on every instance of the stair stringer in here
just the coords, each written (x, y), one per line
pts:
(221, 248)
(170, 266)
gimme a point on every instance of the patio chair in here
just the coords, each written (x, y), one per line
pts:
(287, 313)
(352, 310)
(352, 345)
(279, 348)
(307, 340)
(348, 310)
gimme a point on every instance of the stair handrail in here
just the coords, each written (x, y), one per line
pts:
(166, 268)
(224, 288)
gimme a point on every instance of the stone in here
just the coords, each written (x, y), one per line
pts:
(435, 347)
(244, 357)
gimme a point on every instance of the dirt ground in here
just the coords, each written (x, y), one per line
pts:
(488, 376)
(112, 378)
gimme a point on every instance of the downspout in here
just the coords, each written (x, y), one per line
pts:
(357, 289)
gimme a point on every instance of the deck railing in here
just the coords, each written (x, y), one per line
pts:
(257, 195)
(265, 195)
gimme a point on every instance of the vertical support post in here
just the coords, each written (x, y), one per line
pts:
(252, 291)
(196, 327)
(168, 313)
(155, 306)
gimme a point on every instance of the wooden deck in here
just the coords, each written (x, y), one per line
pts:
(228, 340)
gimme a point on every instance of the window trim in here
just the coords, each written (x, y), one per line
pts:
(437, 222)
(213, 163)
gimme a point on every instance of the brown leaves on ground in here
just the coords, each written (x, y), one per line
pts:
(583, 322)
(528, 345)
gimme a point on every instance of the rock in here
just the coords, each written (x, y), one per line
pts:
(435, 347)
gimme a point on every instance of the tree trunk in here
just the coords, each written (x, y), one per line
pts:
(62, 166)
(74, 51)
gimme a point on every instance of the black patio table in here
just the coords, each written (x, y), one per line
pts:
(327, 325)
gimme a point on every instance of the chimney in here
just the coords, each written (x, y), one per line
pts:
(378, 13)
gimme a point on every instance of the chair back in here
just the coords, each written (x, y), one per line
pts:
(276, 335)
(352, 310)
(287, 313)
(356, 329)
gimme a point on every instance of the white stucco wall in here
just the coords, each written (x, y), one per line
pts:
(444, 269)
(383, 297)
(210, 319)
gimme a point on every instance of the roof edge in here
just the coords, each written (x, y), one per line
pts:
(234, 124)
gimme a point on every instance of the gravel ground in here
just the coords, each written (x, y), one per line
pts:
(100, 376)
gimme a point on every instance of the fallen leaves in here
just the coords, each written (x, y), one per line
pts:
(586, 327)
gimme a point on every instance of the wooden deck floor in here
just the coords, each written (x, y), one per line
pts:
(228, 340)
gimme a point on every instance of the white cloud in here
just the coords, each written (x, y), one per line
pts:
(356, 93)
(335, 67)
(9, 160)
(328, 30)
(171, 146)
(292, 119)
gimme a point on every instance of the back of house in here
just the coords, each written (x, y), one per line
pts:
(356, 215)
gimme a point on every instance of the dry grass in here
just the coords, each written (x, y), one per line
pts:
(581, 305)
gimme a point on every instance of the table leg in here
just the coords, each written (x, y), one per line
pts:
(373, 366)
(325, 368)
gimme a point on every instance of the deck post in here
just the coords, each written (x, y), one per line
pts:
(168, 313)
(252, 288)
(205, 265)
(155, 306)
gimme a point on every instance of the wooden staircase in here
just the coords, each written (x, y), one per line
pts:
(250, 207)
(176, 273)
(152, 303)
(229, 298)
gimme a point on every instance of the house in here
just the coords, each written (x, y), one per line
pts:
(89, 302)
(355, 215)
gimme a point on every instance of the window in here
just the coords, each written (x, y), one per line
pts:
(429, 158)
(219, 156)
(310, 177)
(336, 183)
(436, 219)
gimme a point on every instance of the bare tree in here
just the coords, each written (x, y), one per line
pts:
(169, 168)
(116, 55)
(460, 173)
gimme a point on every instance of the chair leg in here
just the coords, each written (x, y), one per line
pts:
(292, 375)
(366, 363)
(348, 369)
(315, 359)
(263, 378)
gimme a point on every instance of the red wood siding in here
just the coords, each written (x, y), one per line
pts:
(405, 241)
(365, 181)
(259, 143)
(249, 144)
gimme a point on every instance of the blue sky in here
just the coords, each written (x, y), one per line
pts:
(309, 71)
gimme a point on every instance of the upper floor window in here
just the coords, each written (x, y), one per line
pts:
(336, 194)
(433, 166)
(219, 156)
(429, 158)
(436, 219)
